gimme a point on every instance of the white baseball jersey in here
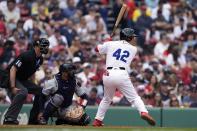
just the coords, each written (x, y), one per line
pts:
(119, 53)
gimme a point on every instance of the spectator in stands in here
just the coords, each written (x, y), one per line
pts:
(193, 95)
(161, 47)
(85, 76)
(48, 76)
(95, 83)
(57, 39)
(92, 98)
(174, 102)
(4, 99)
(158, 101)
(71, 9)
(8, 54)
(11, 13)
(2, 26)
(77, 62)
(41, 73)
(164, 92)
(69, 32)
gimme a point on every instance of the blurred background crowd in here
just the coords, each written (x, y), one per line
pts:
(164, 72)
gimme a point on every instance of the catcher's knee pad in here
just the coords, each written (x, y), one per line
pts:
(85, 120)
(57, 100)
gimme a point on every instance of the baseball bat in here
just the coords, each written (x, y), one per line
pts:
(120, 15)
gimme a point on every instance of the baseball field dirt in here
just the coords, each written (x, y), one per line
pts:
(87, 128)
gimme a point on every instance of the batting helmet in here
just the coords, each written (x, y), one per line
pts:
(127, 34)
(69, 68)
(43, 43)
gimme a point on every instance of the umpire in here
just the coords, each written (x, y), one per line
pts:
(20, 70)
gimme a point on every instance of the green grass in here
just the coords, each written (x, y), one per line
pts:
(89, 128)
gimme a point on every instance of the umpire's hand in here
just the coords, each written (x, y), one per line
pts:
(15, 90)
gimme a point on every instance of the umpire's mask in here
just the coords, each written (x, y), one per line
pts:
(43, 44)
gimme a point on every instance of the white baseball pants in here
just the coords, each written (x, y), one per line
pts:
(118, 79)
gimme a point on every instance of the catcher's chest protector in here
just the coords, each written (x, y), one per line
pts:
(66, 89)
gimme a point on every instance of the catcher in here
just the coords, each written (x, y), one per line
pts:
(56, 99)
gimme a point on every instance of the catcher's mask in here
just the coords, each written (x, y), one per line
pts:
(43, 44)
(68, 68)
(127, 34)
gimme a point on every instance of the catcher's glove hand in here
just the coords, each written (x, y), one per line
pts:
(74, 113)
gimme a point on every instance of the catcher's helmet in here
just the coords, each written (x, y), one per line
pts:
(67, 67)
(127, 34)
(43, 43)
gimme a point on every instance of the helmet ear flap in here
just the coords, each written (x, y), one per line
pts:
(129, 38)
(127, 34)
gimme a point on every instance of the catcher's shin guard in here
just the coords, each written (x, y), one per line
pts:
(50, 109)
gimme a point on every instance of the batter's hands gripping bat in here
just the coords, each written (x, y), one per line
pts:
(120, 15)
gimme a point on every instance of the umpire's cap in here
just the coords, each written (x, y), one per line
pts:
(43, 43)
(127, 34)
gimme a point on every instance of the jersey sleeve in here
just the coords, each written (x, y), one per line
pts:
(134, 52)
(102, 48)
(50, 87)
(19, 61)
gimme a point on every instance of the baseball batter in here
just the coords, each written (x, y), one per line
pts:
(119, 55)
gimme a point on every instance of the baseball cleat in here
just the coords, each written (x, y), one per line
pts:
(97, 123)
(42, 121)
(148, 118)
(10, 121)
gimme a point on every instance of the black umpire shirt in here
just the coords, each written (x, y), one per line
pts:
(26, 63)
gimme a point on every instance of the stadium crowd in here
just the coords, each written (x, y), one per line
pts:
(164, 71)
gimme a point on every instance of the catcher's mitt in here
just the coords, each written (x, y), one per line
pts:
(73, 113)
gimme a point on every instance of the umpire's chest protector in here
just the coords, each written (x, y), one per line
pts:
(66, 89)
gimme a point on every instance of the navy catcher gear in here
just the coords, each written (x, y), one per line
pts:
(69, 68)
